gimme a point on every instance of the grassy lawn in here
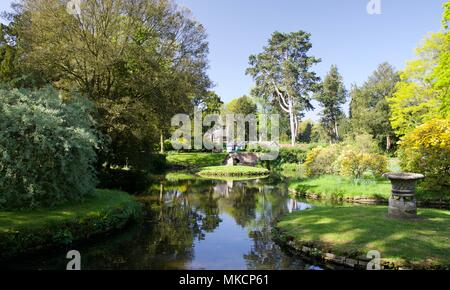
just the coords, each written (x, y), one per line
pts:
(337, 187)
(27, 231)
(356, 230)
(195, 160)
(233, 171)
(180, 176)
(103, 200)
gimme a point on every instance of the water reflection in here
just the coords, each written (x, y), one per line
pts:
(195, 224)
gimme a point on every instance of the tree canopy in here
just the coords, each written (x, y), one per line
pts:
(283, 74)
(417, 99)
(243, 105)
(140, 61)
(442, 72)
(369, 109)
(332, 96)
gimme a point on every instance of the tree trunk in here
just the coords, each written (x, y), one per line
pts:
(162, 143)
(292, 122)
(388, 142)
(336, 131)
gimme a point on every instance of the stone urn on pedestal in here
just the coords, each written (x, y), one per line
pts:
(402, 203)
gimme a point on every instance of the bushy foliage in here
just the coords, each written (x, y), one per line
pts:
(289, 155)
(356, 164)
(168, 145)
(137, 83)
(427, 150)
(441, 73)
(417, 99)
(47, 149)
(322, 160)
(361, 142)
(355, 157)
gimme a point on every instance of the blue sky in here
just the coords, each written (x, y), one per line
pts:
(343, 33)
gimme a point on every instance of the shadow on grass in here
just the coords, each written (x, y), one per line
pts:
(357, 230)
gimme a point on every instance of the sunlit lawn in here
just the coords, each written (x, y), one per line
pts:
(196, 160)
(102, 201)
(233, 171)
(359, 229)
(336, 187)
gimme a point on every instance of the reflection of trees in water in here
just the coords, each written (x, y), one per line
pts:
(184, 217)
(252, 204)
(266, 255)
(182, 212)
(255, 205)
(208, 205)
(179, 215)
(272, 202)
(240, 202)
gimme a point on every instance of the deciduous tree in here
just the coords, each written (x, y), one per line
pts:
(369, 110)
(243, 105)
(140, 61)
(417, 99)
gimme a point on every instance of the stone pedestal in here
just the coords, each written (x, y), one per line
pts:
(400, 207)
(402, 203)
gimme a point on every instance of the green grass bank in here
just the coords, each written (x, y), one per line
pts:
(23, 232)
(354, 231)
(342, 188)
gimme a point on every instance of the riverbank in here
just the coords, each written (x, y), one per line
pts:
(344, 235)
(31, 231)
(365, 191)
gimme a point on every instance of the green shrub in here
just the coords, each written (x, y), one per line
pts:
(427, 150)
(354, 157)
(168, 145)
(290, 155)
(362, 142)
(47, 149)
(287, 155)
(322, 160)
(356, 164)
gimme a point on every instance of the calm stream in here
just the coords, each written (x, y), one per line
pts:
(193, 224)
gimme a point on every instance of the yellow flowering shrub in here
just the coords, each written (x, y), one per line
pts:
(355, 164)
(355, 157)
(426, 150)
(322, 160)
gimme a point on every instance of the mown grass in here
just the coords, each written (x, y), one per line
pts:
(102, 200)
(359, 229)
(332, 187)
(195, 160)
(29, 231)
(338, 187)
(180, 176)
(233, 171)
